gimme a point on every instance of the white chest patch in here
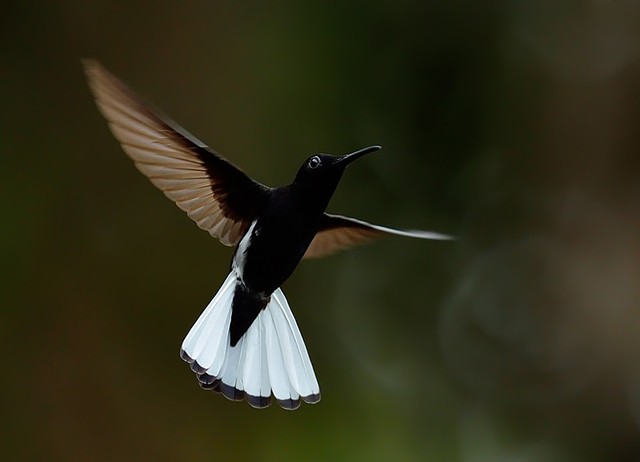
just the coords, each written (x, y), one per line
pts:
(243, 246)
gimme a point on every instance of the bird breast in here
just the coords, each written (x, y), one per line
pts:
(269, 252)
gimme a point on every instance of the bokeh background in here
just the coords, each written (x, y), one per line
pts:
(512, 124)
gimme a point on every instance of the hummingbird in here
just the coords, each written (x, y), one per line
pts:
(246, 343)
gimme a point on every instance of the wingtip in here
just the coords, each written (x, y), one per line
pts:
(88, 62)
(91, 66)
(443, 237)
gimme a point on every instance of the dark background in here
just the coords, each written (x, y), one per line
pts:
(512, 124)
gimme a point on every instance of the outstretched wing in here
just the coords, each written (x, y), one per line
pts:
(218, 196)
(337, 233)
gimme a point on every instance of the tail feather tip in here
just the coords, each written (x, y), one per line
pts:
(258, 402)
(197, 368)
(311, 399)
(213, 386)
(185, 357)
(289, 404)
(207, 379)
(231, 393)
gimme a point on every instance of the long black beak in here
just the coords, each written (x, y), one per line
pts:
(348, 158)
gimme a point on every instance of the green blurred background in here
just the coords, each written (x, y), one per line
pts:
(512, 124)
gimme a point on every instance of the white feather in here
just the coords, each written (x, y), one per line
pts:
(214, 350)
(280, 385)
(195, 334)
(296, 359)
(250, 371)
(270, 358)
(229, 372)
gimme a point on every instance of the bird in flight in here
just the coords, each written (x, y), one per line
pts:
(246, 344)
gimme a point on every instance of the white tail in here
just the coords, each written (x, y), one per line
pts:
(270, 358)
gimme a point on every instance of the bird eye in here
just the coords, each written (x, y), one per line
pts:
(314, 162)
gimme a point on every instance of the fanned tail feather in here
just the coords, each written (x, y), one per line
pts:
(269, 359)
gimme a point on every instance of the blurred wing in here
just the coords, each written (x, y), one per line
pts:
(218, 196)
(337, 233)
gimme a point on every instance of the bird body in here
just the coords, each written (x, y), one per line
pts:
(277, 242)
(246, 343)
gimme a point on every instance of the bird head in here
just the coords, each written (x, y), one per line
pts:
(319, 176)
(323, 171)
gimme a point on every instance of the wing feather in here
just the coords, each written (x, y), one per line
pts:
(337, 233)
(218, 196)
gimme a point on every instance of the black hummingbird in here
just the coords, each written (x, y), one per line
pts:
(246, 343)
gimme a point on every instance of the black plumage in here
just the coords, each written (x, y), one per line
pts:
(272, 230)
